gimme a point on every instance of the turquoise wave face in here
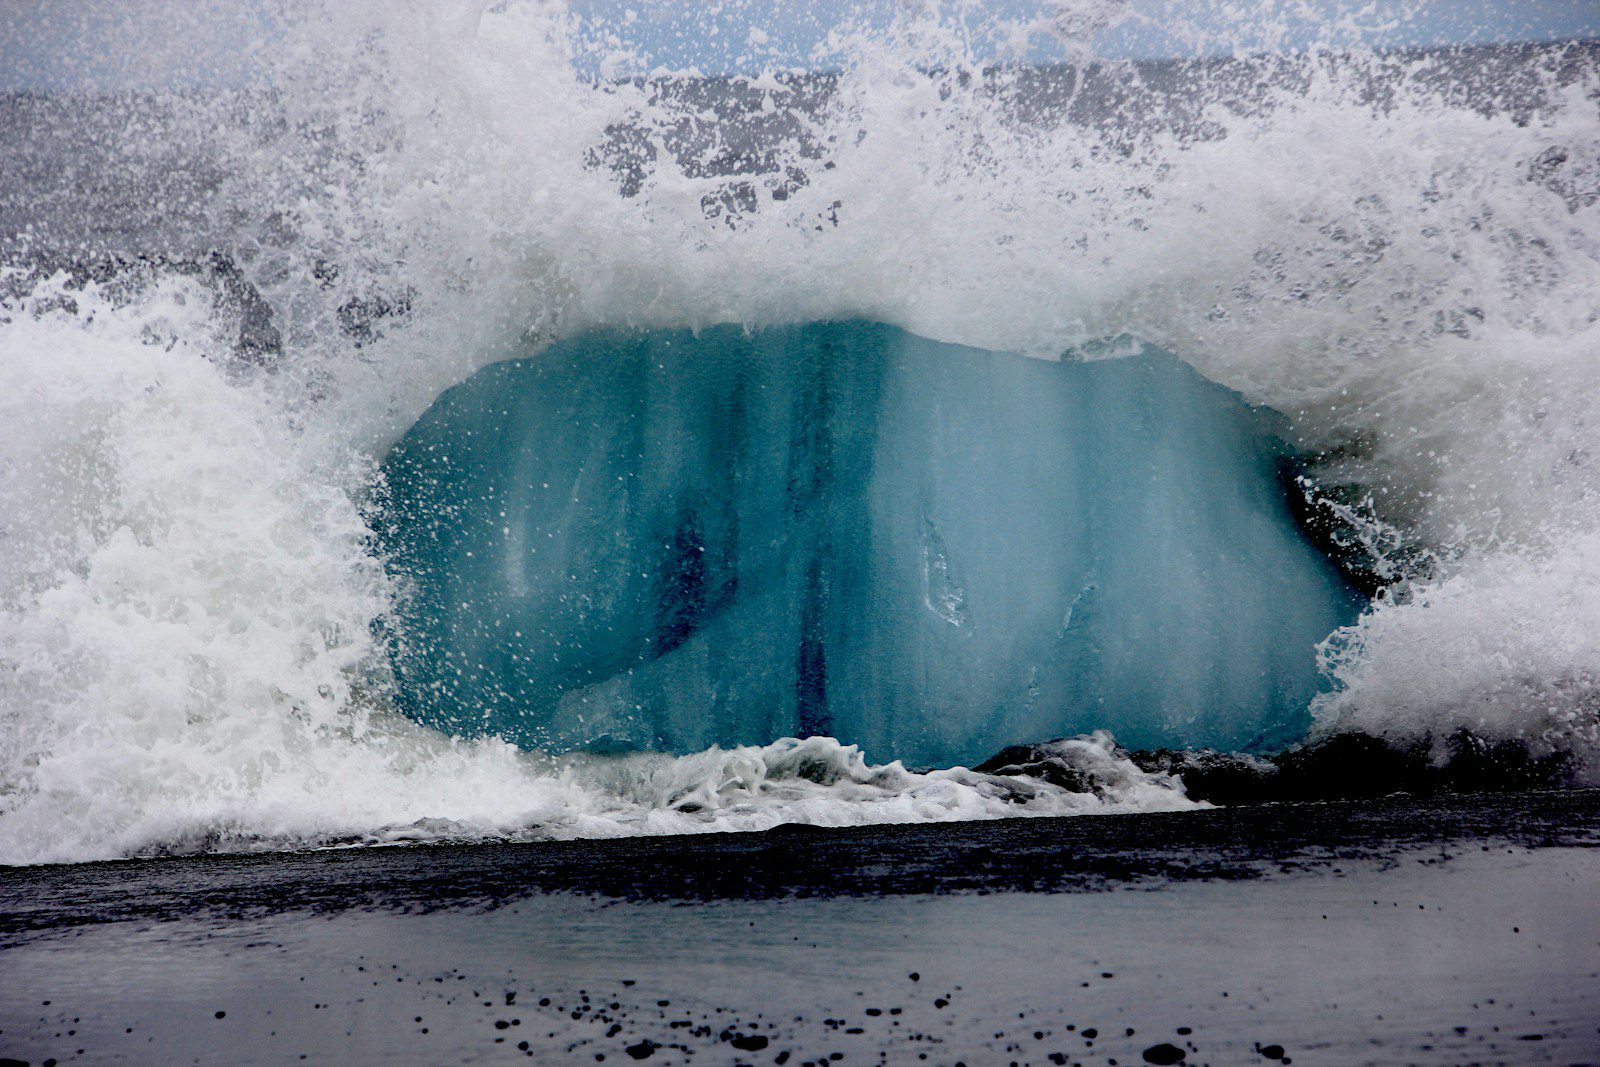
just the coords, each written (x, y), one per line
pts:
(666, 540)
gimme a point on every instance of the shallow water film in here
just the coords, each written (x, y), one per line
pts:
(789, 519)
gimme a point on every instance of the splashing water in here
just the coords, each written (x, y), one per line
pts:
(1397, 251)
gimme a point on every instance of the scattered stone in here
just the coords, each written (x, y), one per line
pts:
(1165, 1054)
(1317, 771)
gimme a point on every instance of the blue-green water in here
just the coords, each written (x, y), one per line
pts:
(666, 540)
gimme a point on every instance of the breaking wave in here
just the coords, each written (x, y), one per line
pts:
(211, 337)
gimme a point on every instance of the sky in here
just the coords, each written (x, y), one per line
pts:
(99, 44)
(716, 35)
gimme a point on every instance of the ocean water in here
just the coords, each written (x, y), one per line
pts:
(674, 540)
(222, 305)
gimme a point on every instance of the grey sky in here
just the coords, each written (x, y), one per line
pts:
(117, 43)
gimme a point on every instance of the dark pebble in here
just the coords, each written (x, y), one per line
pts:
(1164, 1054)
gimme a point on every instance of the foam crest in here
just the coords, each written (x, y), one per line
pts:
(1398, 253)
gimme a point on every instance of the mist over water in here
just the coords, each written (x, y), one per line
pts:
(1398, 252)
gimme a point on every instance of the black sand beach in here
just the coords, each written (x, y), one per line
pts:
(1450, 931)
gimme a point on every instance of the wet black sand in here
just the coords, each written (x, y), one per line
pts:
(1457, 930)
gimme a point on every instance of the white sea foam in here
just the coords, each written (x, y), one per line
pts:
(187, 592)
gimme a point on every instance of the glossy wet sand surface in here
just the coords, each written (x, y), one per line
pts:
(1458, 931)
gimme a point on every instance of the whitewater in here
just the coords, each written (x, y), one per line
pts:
(1396, 251)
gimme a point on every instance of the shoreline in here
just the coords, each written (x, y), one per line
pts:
(1344, 932)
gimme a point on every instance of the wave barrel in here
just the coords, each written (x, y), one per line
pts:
(667, 540)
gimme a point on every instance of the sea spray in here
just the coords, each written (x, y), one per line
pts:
(1397, 252)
